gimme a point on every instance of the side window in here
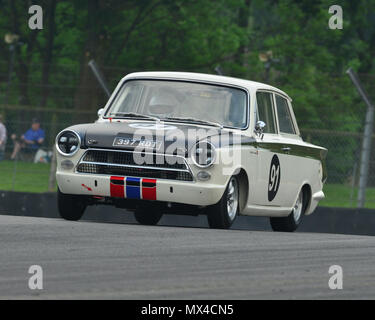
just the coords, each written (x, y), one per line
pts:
(285, 120)
(265, 111)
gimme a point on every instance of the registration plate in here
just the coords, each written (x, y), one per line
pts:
(130, 142)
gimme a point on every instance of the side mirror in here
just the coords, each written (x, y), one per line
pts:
(100, 112)
(259, 127)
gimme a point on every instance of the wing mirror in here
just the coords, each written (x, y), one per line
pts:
(259, 127)
(100, 112)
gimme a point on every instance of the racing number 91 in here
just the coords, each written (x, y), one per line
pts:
(274, 178)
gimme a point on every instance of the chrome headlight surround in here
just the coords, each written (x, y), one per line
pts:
(203, 148)
(68, 135)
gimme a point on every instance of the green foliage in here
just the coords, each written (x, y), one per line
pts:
(197, 36)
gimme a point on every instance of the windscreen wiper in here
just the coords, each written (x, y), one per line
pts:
(211, 123)
(133, 115)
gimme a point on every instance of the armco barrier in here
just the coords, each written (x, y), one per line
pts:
(324, 219)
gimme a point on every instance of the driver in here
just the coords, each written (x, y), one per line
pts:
(164, 103)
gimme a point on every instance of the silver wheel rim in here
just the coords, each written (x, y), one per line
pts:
(232, 198)
(297, 210)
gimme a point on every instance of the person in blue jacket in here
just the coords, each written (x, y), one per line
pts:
(30, 141)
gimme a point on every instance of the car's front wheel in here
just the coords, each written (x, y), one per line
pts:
(291, 222)
(147, 216)
(71, 207)
(222, 214)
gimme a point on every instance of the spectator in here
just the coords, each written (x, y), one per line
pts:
(3, 138)
(29, 142)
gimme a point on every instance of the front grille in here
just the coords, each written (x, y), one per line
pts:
(137, 172)
(135, 159)
(123, 163)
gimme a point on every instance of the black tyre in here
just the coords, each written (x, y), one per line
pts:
(222, 214)
(71, 207)
(147, 216)
(291, 222)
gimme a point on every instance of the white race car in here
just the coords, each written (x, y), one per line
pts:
(189, 143)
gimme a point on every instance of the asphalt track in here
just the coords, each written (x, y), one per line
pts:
(92, 260)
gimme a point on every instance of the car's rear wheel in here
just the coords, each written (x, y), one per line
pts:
(291, 222)
(222, 214)
(71, 207)
(147, 216)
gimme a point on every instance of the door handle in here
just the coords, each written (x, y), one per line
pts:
(286, 149)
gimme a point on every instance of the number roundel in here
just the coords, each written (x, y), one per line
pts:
(274, 178)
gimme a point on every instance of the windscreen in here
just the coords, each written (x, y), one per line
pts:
(163, 99)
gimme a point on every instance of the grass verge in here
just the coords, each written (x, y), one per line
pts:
(24, 176)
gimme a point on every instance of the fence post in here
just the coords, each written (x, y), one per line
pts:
(53, 129)
(52, 173)
(14, 173)
(99, 76)
(366, 144)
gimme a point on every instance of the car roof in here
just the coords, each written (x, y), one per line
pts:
(192, 76)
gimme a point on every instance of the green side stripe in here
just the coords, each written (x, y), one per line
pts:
(297, 150)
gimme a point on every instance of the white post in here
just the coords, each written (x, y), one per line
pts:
(99, 76)
(366, 144)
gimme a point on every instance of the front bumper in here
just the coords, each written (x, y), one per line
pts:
(193, 193)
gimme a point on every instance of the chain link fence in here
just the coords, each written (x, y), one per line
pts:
(31, 171)
(343, 160)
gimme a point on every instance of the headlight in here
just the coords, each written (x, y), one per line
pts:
(68, 142)
(203, 154)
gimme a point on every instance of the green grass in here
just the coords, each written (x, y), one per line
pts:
(24, 176)
(342, 196)
(30, 177)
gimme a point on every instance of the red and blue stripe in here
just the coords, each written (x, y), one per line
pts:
(133, 188)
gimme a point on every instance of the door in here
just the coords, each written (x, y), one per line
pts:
(296, 164)
(273, 171)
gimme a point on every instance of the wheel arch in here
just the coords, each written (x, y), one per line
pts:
(243, 181)
(307, 196)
